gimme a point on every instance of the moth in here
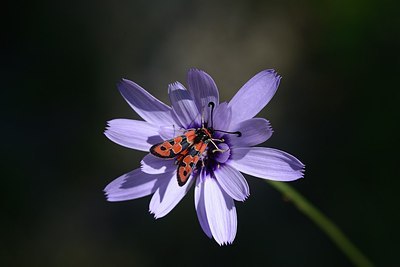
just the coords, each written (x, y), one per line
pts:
(188, 148)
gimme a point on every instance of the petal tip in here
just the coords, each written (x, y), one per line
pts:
(108, 198)
(175, 86)
(224, 243)
(246, 197)
(153, 212)
(300, 172)
(122, 83)
(193, 69)
(273, 73)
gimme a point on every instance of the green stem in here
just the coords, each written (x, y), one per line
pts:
(326, 225)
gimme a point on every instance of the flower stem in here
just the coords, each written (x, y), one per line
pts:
(325, 224)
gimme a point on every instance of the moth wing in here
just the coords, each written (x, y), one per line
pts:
(170, 148)
(188, 162)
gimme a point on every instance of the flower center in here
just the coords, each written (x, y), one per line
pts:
(217, 151)
(214, 156)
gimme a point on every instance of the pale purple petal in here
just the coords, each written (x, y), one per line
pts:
(222, 157)
(221, 212)
(267, 163)
(171, 131)
(232, 182)
(154, 165)
(147, 106)
(222, 117)
(204, 90)
(184, 105)
(254, 95)
(134, 134)
(132, 185)
(200, 205)
(168, 195)
(254, 131)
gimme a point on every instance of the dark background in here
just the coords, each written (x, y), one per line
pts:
(336, 109)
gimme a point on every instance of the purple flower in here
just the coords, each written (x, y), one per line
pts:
(218, 176)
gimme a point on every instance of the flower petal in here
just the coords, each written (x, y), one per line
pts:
(183, 105)
(222, 157)
(134, 134)
(232, 182)
(200, 206)
(267, 163)
(168, 195)
(132, 185)
(169, 132)
(221, 212)
(222, 117)
(147, 106)
(154, 165)
(204, 90)
(254, 95)
(254, 131)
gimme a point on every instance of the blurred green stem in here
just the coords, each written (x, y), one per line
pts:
(326, 225)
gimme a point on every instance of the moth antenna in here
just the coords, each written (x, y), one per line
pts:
(212, 105)
(239, 134)
(202, 118)
(191, 123)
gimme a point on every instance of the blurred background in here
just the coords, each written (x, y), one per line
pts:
(336, 110)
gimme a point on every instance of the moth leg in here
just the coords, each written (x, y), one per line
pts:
(217, 149)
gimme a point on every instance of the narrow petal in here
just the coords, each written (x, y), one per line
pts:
(154, 165)
(132, 185)
(183, 105)
(168, 195)
(254, 95)
(134, 134)
(232, 182)
(147, 106)
(222, 117)
(169, 132)
(200, 206)
(204, 90)
(254, 131)
(221, 212)
(267, 163)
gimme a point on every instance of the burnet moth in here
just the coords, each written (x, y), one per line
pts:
(188, 148)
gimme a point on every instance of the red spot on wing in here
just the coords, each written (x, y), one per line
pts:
(185, 151)
(190, 135)
(169, 148)
(201, 147)
(177, 147)
(181, 155)
(188, 163)
(162, 150)
(185, 168)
